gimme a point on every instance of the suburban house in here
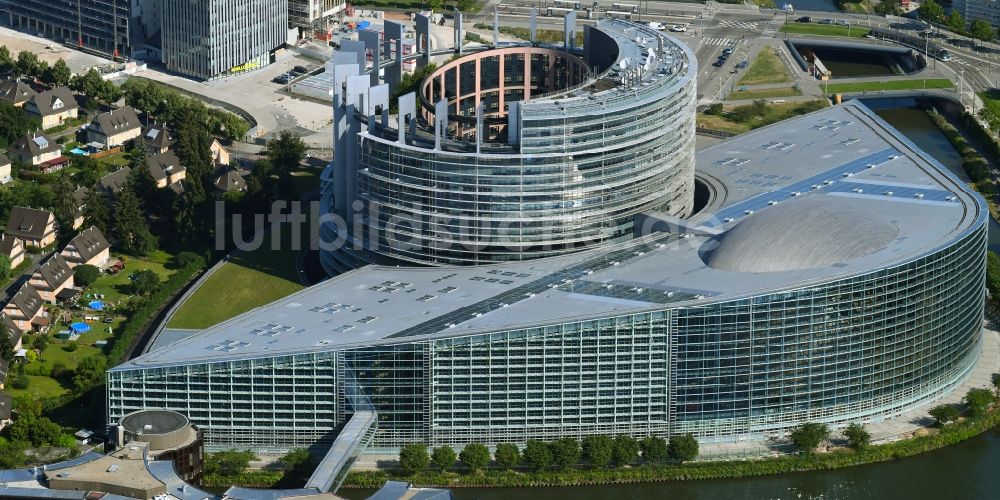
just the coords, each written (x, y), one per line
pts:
(25, 311)
(52, 277)
(32, 226)
(7, 327)
(5, 172)
(166, 170)
(115, 127)
(6, 401)
(53, 106)
(15, 92)
(35, 149)
(88, 247)
(79, 202)
(227, 179)
(156, 139)
(219, 154)
(109, 185)
(13, 249)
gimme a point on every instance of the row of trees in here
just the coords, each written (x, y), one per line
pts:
(169, 106)
(29, 65)
(563, 453)
(808, 436)
(933, 12)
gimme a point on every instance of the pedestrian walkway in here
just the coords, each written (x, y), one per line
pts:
(719, 41)
(743, 25)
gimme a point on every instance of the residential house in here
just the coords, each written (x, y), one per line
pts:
(13, 249)
(79, 202)
(219, 154)
(109, 185)
(15, 92)
(35, 149)
(7, 328)
(53, 106)
(52, 277)
(166, 170)
(88, 247)
(6, 400)
(25, 311)
(115, 127)
(5, 172)
(32, 226)
(156, 139)
(227, 179)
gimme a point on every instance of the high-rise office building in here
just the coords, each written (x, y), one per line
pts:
(213, 38)
(97, 25)
(310, 13)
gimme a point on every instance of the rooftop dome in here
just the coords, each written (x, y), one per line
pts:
(812, 232)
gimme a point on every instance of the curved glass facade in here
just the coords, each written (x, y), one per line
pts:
(554, 173)
(854, 349)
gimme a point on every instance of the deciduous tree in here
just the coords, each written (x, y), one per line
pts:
(682, 448)
(806, 437)
(978, 401)
(857, 437)
(507, 455)
(443, 457)
(413, 458)
(626, 450)
(475, 456)
(597, 450)
(565, 452)
(944, 414)
(654, 449)
(537, 455)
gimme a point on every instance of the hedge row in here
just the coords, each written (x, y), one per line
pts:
(146, 309)
(948, 435)
(247, 479)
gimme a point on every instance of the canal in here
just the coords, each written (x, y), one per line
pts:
(966, 471)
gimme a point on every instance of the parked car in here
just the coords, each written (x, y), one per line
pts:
(825, 21)
(742, 64)
(718, 64)
(678, 28)
(723, 56)
(843, 22)
(804, 19)
(727, 50)
(300, 70)
(657, 26)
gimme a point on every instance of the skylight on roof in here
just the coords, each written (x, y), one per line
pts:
(41, 141)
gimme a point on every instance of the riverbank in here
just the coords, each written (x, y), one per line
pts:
(941, 437)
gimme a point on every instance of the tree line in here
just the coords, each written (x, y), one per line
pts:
(563, 453)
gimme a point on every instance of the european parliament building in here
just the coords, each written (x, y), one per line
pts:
(833, 273)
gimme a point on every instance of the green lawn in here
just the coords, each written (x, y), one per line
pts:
(766, 68)
(825, 29)
(116, 287)
(774, 113)
(930, 83)
(305, 179)
(39, 388)
(764, 93)
(249, 280)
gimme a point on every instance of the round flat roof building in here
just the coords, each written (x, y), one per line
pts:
(512, 153)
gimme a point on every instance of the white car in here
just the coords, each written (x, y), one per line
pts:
(678, 28)
(657, 26)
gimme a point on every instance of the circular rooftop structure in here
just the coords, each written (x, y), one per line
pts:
(154, 422)
(808, 233)
(515, 152)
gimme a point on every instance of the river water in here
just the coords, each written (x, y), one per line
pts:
(966, 471)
